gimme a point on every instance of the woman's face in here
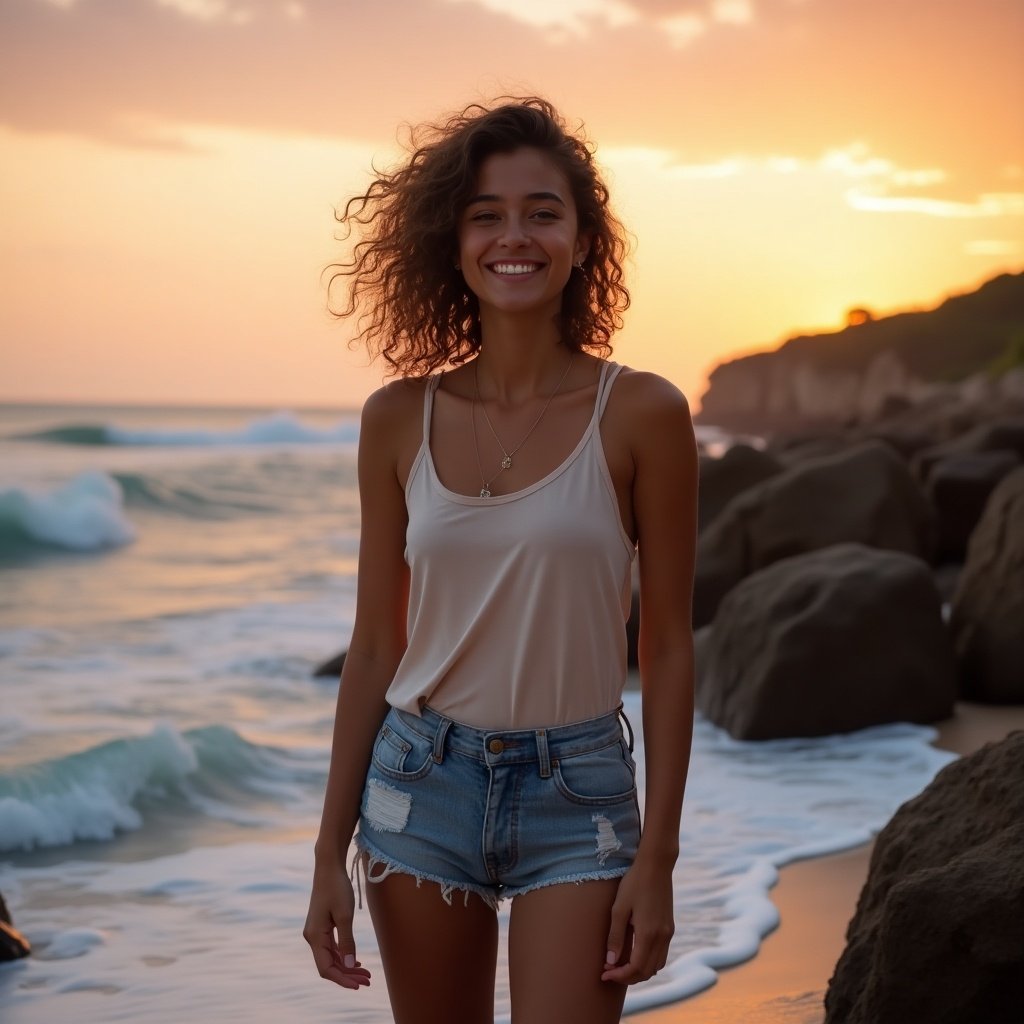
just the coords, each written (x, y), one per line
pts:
(518, 236)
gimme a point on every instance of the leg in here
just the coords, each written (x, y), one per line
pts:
(557, 940)
(439, 960)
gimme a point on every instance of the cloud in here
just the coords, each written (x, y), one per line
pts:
(683, 29)
(573, 17)
(876, 199)
(732, 12)
(887, 188)
(883, 187)
(680, 21)
(209, 10)
(993, 247)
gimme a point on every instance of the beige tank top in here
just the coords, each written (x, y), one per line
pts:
(518, 602)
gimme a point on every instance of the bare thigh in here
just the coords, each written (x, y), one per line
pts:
(557, 944)
(439, 960)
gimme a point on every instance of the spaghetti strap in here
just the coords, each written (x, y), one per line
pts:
(428, 404)
(604, 388)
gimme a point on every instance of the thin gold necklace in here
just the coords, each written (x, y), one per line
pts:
(506, 462)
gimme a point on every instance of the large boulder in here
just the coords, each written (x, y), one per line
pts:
(828, 642)
(864, 495)
(958, 487)
(13, 945)
(938, 934)
(987, 619)
(722, 479)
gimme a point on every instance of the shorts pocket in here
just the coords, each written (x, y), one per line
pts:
(402, 753)
(597, 778)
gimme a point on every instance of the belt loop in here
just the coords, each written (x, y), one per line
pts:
(629, 727)
(542, 753)
(442, 731)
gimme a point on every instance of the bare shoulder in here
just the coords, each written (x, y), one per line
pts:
(391, 428)
(393, 411)
(643, 402)
(394, 402)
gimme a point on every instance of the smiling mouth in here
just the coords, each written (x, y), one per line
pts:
(513, 269)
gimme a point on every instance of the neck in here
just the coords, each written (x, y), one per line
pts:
(520, 361)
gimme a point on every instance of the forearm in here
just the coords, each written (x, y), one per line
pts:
(667, 682)
(361, 708)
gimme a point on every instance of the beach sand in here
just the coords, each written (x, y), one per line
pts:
(785, 983)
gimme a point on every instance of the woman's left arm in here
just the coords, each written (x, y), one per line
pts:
(664, 454)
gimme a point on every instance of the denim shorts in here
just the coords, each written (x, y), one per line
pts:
(499, 812)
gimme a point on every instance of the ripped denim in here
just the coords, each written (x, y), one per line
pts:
(498, 812)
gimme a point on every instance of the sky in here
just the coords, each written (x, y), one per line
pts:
(169, 171)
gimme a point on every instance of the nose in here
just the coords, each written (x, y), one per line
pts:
(514, 234)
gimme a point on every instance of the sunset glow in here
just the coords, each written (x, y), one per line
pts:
(170, 169)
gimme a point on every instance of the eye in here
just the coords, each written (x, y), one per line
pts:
(483, 216)
(546, 214)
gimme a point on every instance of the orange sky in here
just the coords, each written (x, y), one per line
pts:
(169, 169)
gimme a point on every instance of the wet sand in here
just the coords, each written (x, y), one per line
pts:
(785, 983)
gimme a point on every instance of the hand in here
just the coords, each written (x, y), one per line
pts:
(331, 906)
(643, 906)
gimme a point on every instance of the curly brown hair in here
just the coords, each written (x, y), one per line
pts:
(416, 310)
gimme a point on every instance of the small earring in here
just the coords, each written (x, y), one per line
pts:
(579, 264)
(458, 266)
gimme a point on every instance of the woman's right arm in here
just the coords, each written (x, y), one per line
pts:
(378, 642)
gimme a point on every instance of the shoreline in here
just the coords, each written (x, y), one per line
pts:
(785, 982)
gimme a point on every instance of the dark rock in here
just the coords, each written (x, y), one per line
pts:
(938, 935)
(992, 435)
(794, 448)
(947, 576)
(987, 619)
(828, 642)
(924, 424)
(958, 487)
(13, 945)
(722, 479)
(331, 667)
(864, 495)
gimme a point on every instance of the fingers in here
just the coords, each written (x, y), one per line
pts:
(648, 955)
(618, 933)
(353, 974)
(336, 959)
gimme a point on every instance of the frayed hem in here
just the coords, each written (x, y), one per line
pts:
(579, 879)
(391, 867)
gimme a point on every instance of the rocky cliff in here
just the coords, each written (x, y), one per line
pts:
(971, 343)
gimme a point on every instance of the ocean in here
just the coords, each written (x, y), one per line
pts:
(169, 578)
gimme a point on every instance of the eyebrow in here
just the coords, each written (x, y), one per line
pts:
(491, 198)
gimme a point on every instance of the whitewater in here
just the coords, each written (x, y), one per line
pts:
(169, 579)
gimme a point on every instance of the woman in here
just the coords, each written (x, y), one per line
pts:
(477, 739)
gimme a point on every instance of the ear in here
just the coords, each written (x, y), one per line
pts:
(582, 250)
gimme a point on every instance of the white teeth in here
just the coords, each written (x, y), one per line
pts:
(514, 268)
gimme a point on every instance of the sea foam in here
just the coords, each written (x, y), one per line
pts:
(96, 793)
(278, 428)
(90, 795)
(85, 514)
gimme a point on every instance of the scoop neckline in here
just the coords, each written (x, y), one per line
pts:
(503, 499)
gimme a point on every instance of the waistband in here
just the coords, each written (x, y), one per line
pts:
(497, 747)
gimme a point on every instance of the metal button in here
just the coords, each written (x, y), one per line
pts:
(495, 746)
